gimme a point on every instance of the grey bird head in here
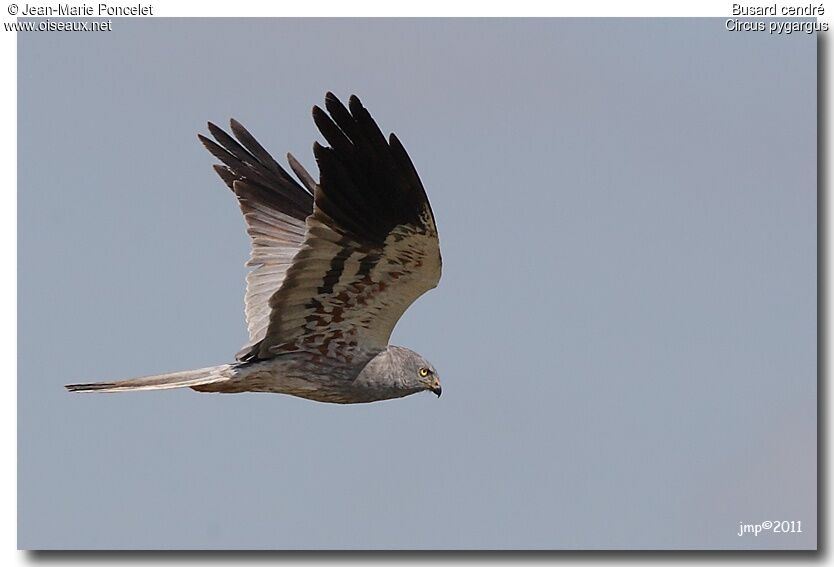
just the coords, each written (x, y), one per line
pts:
(421, 374)
(401, 369)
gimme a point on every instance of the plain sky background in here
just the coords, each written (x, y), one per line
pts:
(625, 329)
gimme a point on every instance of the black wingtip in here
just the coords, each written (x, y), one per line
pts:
(336, 109)
(355, 104)
(367, 184)
(243, 135)
(334, 103)
(214, 129)
(209, 144)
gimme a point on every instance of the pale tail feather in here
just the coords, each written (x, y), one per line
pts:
(184, 379)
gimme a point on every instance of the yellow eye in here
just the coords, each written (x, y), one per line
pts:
(424, 372)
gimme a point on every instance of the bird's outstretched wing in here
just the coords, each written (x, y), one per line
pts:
(274, 206)
(370, 246)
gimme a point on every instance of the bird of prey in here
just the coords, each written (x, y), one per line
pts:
(334, 266)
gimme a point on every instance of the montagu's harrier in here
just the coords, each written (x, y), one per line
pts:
(334, 266)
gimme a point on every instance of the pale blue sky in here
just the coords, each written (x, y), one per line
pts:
(626, 325)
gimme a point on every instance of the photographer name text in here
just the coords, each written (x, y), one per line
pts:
(88, 10)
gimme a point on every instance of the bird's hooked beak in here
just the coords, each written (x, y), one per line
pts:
(435, 386)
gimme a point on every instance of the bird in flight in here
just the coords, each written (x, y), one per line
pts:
(334, 266)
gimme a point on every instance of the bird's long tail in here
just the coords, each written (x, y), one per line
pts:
(184, 379)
